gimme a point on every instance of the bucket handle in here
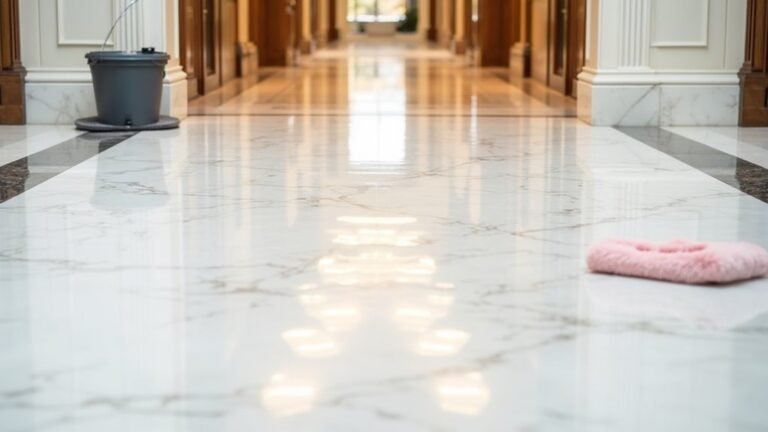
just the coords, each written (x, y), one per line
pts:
(114, 25)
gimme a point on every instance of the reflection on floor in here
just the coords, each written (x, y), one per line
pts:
(376, 78)
(374, 272)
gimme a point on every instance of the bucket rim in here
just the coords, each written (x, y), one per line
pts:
(131, 56)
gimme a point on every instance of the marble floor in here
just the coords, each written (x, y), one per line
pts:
(387, 269)
(378, 78)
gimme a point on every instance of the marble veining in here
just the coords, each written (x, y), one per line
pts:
(410, 273)
(287, 274)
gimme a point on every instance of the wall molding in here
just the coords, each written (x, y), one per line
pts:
(60, 31)
(687, 77)
(701, 42)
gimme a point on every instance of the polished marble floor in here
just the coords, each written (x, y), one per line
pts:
(378, 78)
(379, 271)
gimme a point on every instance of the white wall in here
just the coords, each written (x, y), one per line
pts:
(56, 35)
(662, 62)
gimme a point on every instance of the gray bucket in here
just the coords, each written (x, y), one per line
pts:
(128, 86)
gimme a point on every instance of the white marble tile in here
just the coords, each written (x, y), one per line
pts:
(290, 274)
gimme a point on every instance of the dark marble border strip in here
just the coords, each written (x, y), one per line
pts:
(22, 175)
(743, 175)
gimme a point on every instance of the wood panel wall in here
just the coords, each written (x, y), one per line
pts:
(753, 109)
(12, 72)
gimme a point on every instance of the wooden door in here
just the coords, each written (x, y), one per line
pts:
(274, 31)
(557, 69)
(191, 43)
(228, 40)
(315, 19)
(211, 46)
(576, 43)
(333, 31)
(297, 26)
(495, 30)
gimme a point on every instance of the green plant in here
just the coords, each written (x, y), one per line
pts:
(410, 23)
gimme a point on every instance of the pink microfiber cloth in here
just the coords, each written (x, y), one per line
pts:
(680, 260)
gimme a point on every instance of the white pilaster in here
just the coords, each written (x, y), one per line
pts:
(629, 81)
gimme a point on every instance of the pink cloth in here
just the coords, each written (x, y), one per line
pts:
(680, 260)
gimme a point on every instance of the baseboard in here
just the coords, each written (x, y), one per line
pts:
(307, 46)
(61, 96)
(658, 99)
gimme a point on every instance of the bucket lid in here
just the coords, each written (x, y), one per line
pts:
(127, 56)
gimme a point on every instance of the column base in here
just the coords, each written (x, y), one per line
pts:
(752, 107)
(175, 99)
(333, 35)
(307, 46)
(459, 47)
(12, 103)
(520, 60)
(247, 59)
(617, 98)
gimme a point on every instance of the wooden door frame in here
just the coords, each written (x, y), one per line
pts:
(577, 34)
(189, 39)
(213, 81)
(555, 81)
(575, 30)
(432, 30)
(333, 30)
(12, 71)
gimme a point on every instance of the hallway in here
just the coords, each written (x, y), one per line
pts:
(378, 240)
(384, 77)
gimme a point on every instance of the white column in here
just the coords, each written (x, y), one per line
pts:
(158, 26)
(662, 63)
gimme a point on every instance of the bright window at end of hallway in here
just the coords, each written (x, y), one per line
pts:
(377, 10)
